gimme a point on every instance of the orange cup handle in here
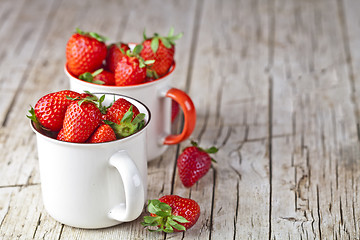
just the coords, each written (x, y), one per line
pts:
(189, 111)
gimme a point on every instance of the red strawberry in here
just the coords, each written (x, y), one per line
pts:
(118, 109)
(161, 49)
(124, 118)
(50, 109)
(100, 76)
(193, 163)
(174, 110)
(85, 52)
(81, 120)
(106, 77)
(132, 69)
(172, 213)
(115, 54)
(104, 133)
(129, 72)
(150, 78)
(60, 135)
(88, 95)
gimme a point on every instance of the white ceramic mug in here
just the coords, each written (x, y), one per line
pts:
(94, 185)
(157, 96)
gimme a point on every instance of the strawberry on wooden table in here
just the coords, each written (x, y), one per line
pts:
(161, 49)
(85, 52)
(50, 109)
(172, 213)
(193, 163)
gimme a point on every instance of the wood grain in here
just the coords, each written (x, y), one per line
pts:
(276, 88)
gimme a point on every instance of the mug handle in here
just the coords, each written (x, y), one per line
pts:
(133, 186)
(189, 111)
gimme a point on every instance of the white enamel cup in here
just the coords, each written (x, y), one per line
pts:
(157, 96)
(94, 185)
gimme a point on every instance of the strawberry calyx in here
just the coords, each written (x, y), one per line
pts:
(33, 117)
(142, 63)
(136, 53)
(37, 125)
(97, 36)
(127, 126)
(168, 41)
(89, 77)
(91, 98)
(162, 217)
(36, 122)
(151, 74)
(210, 150)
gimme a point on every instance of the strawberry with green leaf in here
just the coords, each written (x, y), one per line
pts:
(193, 163)
(124, 118)
(116, 52)
(100, 76)
(82, 118)
(128, 125)
(171, 213)
(49, 111)
(161, 49)
(131, 69)
(85, 52)
(118, 109)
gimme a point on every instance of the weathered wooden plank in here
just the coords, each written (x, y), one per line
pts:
(312, 102)
(230, 68)
(22, 30)
(18, 165)
(288, 162)
(315, 181)
(348, 152)
(24, 213)
(349, 18)
(230, 64)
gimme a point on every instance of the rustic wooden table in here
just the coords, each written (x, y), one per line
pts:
(276, 85)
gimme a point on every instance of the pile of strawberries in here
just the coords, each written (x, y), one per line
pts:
(81, 118)
(89, 58)
(172, 213)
